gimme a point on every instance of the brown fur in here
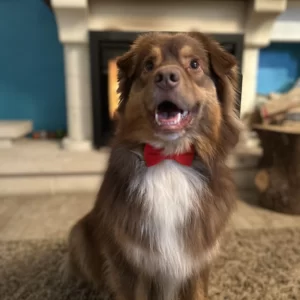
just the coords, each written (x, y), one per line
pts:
(98, 242)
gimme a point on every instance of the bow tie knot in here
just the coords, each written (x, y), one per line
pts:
(154, 156)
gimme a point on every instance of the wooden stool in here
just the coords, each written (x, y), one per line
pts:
(278, 179)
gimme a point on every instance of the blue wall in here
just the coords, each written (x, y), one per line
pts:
(279, 67)
(31, 65)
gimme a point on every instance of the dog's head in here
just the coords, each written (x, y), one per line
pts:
(177, 90)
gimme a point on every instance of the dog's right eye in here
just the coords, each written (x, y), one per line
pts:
(194, 64)
(149, 65)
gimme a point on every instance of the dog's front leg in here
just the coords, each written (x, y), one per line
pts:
(131, 289)
(196, 288)
(125, 283)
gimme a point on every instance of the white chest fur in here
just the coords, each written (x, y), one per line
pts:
(169, 193)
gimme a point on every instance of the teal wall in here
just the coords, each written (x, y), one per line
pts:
(279, 67)
(31, 65)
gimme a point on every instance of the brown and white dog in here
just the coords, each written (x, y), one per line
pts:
(167, 193)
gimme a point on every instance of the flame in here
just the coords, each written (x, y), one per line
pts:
(113, 98)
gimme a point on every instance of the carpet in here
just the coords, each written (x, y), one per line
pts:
(253, 264)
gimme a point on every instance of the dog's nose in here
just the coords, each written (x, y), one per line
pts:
(167, 78)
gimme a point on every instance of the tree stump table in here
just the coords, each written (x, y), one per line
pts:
(278, 178)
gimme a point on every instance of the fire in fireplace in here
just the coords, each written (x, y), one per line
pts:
(105, 46)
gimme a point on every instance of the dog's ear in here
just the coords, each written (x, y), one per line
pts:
(125, 64)
(224, 72)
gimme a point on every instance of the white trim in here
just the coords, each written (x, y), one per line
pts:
(287, 25)
(159, 16)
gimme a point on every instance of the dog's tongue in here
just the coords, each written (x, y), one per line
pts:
(171, 117)
(168, 113)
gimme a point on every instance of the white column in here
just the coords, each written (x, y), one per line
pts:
(72, 23)
(260, 17)
(250, 67)
(78, 97)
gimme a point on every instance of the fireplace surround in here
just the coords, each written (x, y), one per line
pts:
(107, 45)
(76, 20)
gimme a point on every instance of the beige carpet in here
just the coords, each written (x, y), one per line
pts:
(254, 264)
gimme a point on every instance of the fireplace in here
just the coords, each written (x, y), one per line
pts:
(82, 30)
(104, 48)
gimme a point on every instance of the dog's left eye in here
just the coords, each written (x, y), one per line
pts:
(149, 65)
(194, 64)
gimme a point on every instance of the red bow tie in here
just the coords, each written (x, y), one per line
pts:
(154, 156)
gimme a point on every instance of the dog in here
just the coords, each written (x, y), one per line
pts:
(167, 193)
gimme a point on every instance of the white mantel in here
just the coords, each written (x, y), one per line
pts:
(255, 19)
(287, 25)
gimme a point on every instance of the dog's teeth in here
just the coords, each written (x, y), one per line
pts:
(178, 118)
(175, 121)
(157, 119)
(185, 113)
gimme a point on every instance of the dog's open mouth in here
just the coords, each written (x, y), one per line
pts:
(169, 116)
